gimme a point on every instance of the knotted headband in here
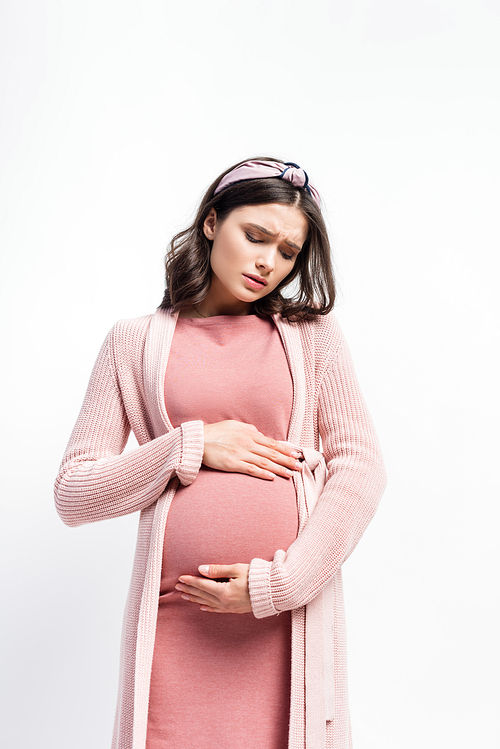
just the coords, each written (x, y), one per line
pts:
(260, 169)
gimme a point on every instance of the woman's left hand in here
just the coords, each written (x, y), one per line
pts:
(230, 597)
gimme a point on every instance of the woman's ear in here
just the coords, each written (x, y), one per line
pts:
(210, 223)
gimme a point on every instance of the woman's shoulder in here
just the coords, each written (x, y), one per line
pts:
(128, 332)
(321, 336)
(316, 342)
(128, 335)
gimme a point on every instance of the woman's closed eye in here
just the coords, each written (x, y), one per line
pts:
(252, 239)
(285, 255)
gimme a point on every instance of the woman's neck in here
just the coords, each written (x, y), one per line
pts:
(203, 311)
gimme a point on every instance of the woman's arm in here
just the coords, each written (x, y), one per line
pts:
(356, 480)
(96, 481)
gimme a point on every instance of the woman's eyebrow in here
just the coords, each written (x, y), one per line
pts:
(270, 234)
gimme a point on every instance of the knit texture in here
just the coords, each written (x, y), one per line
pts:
(96, 481)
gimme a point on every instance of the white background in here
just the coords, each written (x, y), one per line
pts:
(115, 118)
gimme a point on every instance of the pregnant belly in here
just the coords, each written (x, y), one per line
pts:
(226, 518)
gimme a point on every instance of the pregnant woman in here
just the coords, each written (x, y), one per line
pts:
(234, 629)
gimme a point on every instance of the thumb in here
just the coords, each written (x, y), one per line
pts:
(218, 570)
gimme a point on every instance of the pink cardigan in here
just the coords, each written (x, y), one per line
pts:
(97, 481)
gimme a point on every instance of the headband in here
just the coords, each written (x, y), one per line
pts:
(261, 169)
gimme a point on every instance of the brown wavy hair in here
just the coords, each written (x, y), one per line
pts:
(187, 262)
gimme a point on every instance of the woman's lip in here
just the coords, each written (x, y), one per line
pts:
(255, 281)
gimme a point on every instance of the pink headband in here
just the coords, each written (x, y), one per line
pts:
(260, 169)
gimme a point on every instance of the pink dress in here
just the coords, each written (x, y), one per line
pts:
(222, 681)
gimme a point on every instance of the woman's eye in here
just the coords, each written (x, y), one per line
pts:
(254, 240)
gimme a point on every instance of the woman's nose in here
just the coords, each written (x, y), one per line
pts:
(266, 259)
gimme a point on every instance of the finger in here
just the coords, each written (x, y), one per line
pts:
(271, 451)
(289, 449)
(284, 448)
(197, 595)
(236, 602)
(220, 570)
(278, 460)
(258, 466)
(198, 586)
(217, 602)
(211, 589)
(214, 576)
(249, 466)
(208, 585)
(260, 462)
(270, 462)
(253, 470)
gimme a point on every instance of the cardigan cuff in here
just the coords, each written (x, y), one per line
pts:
(193, 442)
(259, 588)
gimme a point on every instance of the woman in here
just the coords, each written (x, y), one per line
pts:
(229, 388)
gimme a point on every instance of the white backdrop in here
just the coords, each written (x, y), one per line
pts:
(116, 116)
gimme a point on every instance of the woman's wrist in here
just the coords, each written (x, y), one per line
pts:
(259, 588)
(192, 451)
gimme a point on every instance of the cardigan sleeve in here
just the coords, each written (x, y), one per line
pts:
(355, 482)
(96, 480)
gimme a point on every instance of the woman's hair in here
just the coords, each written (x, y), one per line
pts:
(187, 262)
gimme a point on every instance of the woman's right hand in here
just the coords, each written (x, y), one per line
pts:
(240, 448)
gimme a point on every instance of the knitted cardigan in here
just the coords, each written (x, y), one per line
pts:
(98, 481)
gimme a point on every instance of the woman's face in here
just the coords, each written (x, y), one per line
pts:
(253, 250)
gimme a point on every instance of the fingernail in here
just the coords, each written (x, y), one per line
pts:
(178, 587)
(298, 465)
(204, 569)
(295, 454)
(289, 473)
(186, 598)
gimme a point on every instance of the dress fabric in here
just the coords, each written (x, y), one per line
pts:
(224, 680)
